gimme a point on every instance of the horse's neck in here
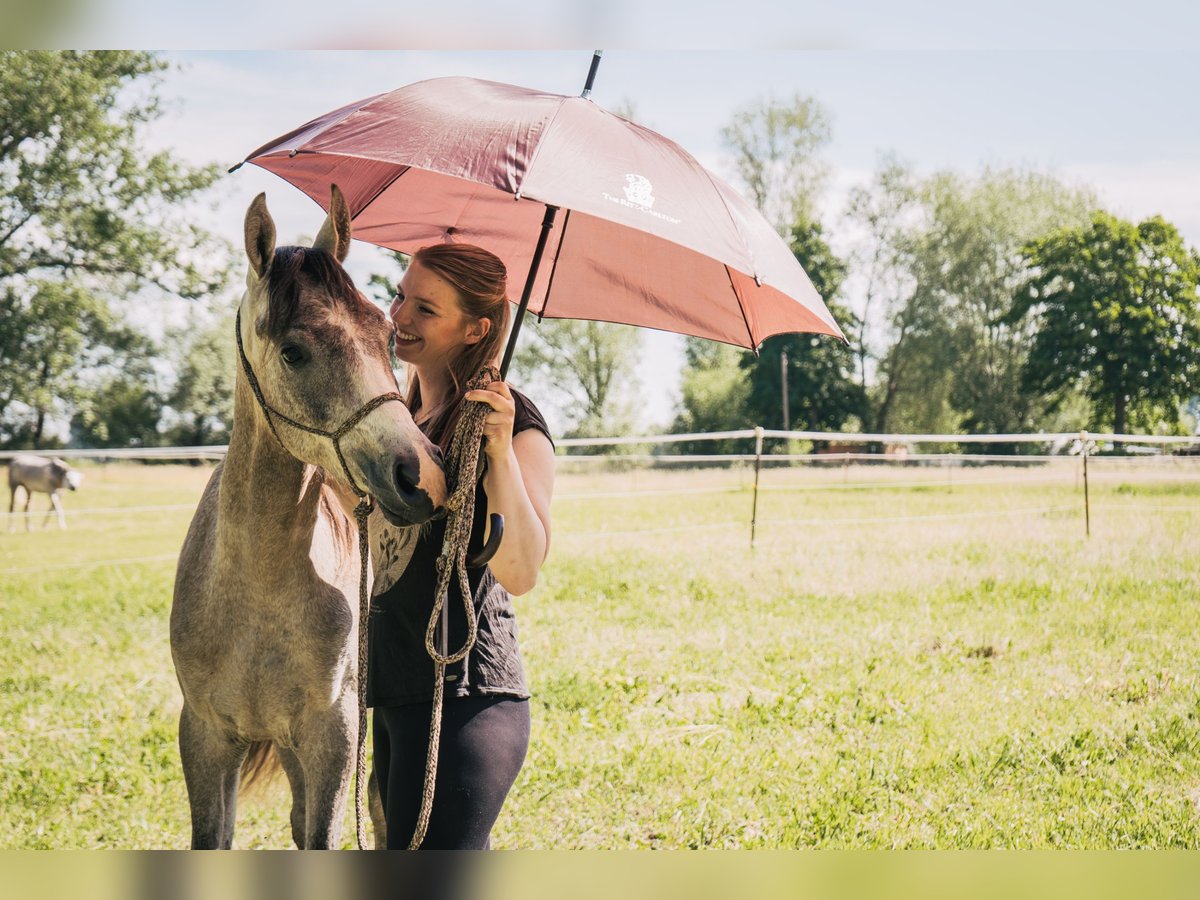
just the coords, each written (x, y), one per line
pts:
(269, 499)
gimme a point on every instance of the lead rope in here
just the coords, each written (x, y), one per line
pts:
(463, 473)
(361, 511)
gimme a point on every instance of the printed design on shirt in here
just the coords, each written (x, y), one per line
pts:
(392, 547)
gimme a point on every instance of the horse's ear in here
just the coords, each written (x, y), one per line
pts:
(334, 236)
(260, 236)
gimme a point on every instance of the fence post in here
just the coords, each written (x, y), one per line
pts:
(1087, 508)
(758, 442)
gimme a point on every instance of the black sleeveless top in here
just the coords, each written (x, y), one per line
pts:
(399, 669)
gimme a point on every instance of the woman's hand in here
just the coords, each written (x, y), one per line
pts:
(518, 484)
(498, 424)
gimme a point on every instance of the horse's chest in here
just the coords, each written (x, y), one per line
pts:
(278, 663)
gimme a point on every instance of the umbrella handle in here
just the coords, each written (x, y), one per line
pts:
(488, 550)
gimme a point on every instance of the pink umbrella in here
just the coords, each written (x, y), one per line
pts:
(647, 237)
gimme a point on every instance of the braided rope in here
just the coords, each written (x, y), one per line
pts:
(361, 511)
(463, 473)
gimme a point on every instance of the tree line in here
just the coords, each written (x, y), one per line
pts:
(1000, 301)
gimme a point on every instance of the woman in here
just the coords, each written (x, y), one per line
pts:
(451, 315)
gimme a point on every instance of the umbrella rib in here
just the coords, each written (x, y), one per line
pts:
(562, 234)
(519, 194)
(746, 245)
(742, 307)
(403, 171)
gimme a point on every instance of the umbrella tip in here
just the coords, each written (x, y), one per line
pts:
(236, 167)
(591, 76)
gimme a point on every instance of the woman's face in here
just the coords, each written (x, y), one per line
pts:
(431, 328)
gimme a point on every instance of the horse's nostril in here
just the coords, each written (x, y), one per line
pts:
(438, 456)
(408, 476)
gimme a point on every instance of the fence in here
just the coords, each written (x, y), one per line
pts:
(1079, 451)
(1082, 445)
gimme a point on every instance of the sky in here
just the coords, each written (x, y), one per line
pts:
(1119, 120)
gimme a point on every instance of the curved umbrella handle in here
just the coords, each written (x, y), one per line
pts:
(485, 554)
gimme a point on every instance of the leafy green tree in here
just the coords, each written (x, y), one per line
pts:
(87, 219)
(202, 397)
(879, 212)
(936, 266)
(774, 145)
(588, 366)
(714, 390)
(381, 286)
(123, 411)
(1115, 311)
(57, 344)
(968, 261)
(823, 394)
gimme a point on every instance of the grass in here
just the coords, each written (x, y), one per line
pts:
(942, 661)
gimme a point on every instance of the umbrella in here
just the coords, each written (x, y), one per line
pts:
(647, 236)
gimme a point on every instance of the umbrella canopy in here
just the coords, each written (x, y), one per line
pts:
(646, 235)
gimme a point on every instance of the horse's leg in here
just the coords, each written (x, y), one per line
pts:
(212, 765)
(12, 503)
(56, 504)
(295, 775)
(325, 746)
(28, 503)
(375, 805)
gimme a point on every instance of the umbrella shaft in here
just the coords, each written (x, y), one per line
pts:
(547, 224)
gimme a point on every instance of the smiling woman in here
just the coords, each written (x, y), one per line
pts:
(450, 314)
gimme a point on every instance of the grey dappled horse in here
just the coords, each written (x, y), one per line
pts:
(264, 624)
(46, 476)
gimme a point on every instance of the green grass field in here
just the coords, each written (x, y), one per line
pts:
(944, 660)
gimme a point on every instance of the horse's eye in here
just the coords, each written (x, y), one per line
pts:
(292, 355)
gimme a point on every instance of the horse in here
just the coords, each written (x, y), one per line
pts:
(37, 473)
(264, 621)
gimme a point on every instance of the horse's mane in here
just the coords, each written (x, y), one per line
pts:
(295, 268)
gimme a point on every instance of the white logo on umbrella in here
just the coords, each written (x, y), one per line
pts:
(639, 195)
(639, 190)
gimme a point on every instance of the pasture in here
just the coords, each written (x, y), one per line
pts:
(916, 657)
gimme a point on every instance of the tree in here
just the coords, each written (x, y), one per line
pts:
(774, 145)
(87, 219)
(969, 262)
(123, 411)
(589, 365)
(1115, 312)
(936, 268)
(59, 345)
(714, 390)
(202, 397)
(822, 392)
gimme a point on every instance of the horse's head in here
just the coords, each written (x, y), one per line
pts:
(319, 351)
(70, 477)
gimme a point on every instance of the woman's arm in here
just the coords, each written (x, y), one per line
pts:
(518, 484)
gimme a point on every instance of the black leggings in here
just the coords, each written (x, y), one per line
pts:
(483, 745)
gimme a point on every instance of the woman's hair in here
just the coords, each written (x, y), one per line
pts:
(481, 282)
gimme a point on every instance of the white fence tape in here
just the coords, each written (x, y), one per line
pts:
(218, 451)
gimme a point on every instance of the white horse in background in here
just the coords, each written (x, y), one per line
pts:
(46, 476)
